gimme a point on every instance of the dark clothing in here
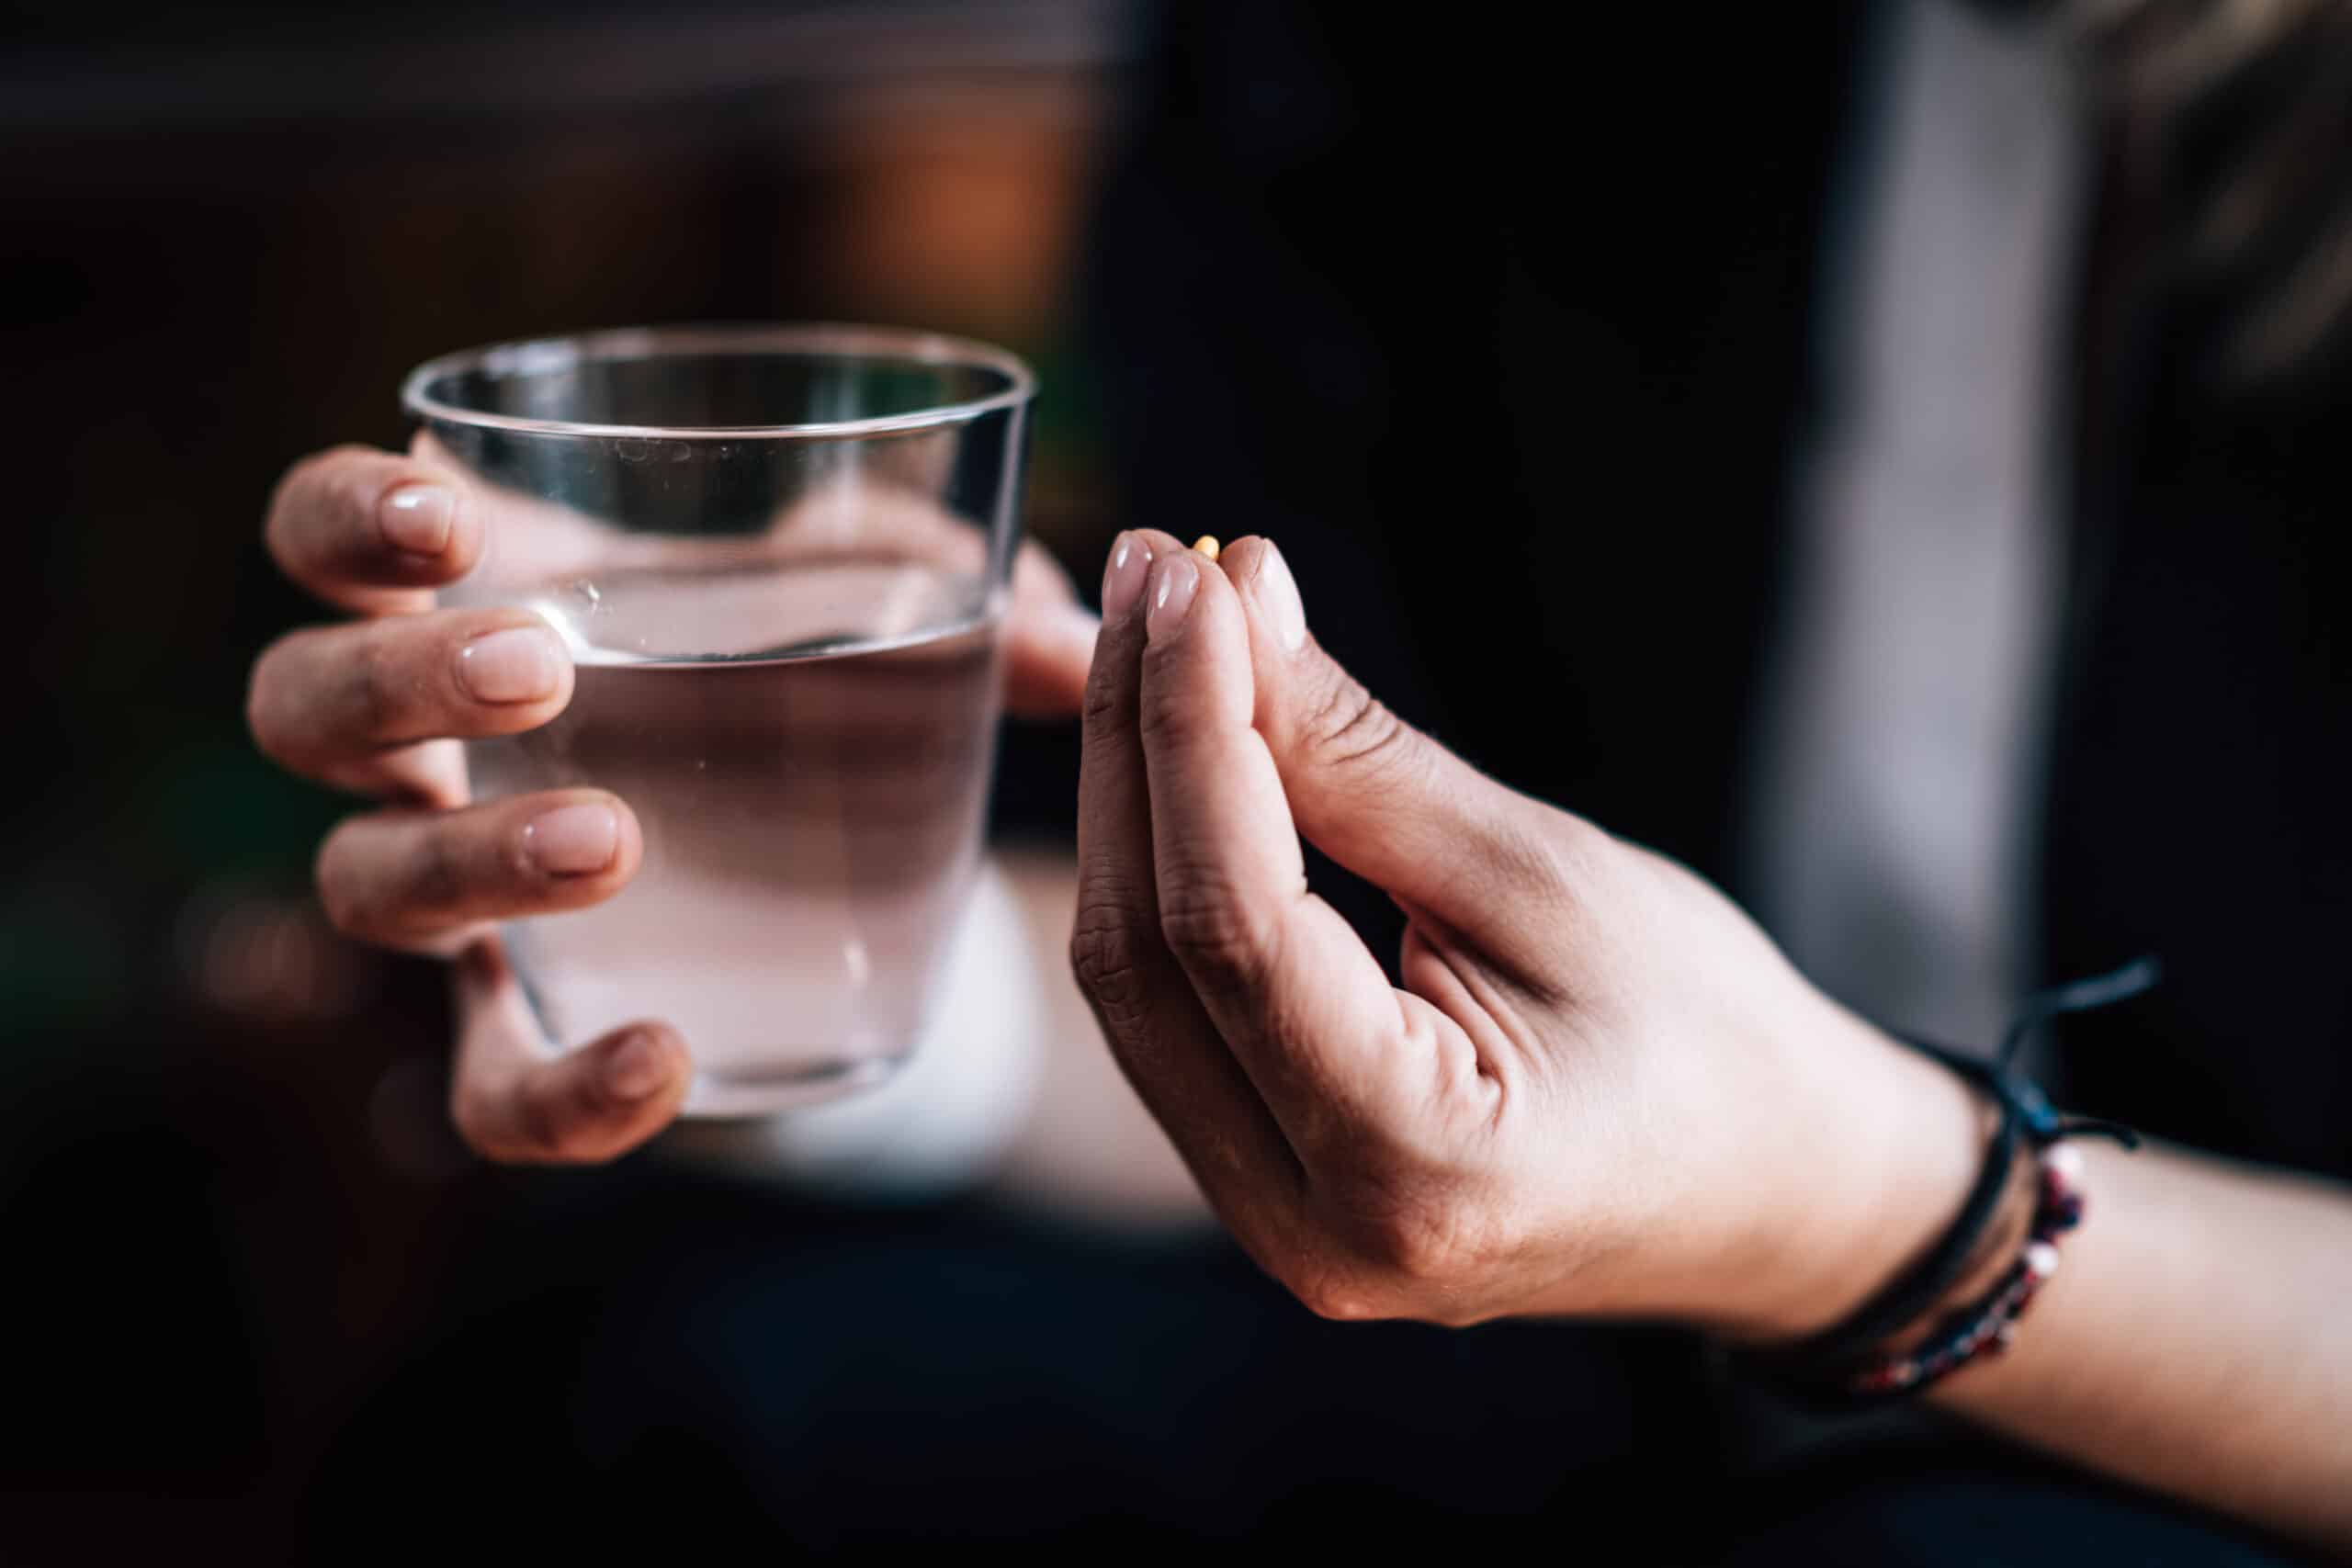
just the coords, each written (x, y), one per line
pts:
(1509, 348)
(664, 1364)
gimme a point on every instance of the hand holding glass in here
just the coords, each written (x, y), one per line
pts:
(779, 559)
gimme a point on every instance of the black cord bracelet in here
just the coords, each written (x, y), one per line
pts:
(1911, 1294)
(1819, 1369)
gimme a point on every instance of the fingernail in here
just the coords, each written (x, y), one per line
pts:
(635, 1068)
(1122, 574)
(416, 518)
(1277, 593)
(572, 840)
(1173, 581)
(521, 664)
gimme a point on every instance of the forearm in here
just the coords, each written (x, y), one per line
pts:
(2195, 1341)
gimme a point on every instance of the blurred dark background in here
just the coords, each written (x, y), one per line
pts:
(227, 1190)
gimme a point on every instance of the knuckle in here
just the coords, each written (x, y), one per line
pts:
(352, 473)
(378, 694)
(1570, 846)
(1103, 710)
(541, 1131)
(512, 1125)
(1410, 1245)
(298, 490)
(1349, 727)
(1414, 1229)
(1335, 1294)
(425, 884)
(496, 1126)
(1549, 860)
(1213, 932)
(470, 1114)
(436, 878)
(1106, 957)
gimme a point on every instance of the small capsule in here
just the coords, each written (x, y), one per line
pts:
(1206, 544)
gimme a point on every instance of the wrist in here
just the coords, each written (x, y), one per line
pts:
(1880, 1167)
(1839, 1160)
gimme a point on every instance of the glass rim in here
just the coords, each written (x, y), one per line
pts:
(531, 355)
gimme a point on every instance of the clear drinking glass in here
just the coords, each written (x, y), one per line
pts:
(779, 555)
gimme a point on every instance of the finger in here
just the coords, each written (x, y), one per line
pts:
(431, 775)
(420, 879)
(370, 530)
(1384, 799)
(514, 1102)
(1050, 640)
(329, 701)
(1337, 1054)
(1154, 1023)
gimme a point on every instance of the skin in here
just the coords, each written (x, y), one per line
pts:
(1601, 1091)
(378, 704)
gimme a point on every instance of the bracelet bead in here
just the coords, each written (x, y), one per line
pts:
(1847, 1364)
(1988, 1327)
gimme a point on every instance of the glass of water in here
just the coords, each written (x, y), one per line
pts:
(779, 556)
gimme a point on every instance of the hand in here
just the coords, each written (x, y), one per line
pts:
(1601, 1090)
(379, 704)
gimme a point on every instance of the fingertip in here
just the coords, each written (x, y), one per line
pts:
(415, 517)
(1269, 593)
(586, 1106)
(1038, 577)
(630, 850)
(514, 670)
(466, 530)
(1159, 544)
(1197, 663)
(1241, 558)
(1066, 634)
(370, 530)
(1048, 658)
(1106, 698)
(642, 1063)
(1174, 583)
(431, 529)
(582, 845)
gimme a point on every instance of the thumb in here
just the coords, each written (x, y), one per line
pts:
(1048, 639)
(514, 1103)
(1384, 799)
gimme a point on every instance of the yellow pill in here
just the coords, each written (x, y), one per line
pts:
(1206, 544)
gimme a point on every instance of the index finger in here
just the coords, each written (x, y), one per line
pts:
(1340, 1055)
(372, 531)
(1164, 1042)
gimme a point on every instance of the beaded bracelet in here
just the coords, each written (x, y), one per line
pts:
(1986, 1326)
(1846, 1364)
